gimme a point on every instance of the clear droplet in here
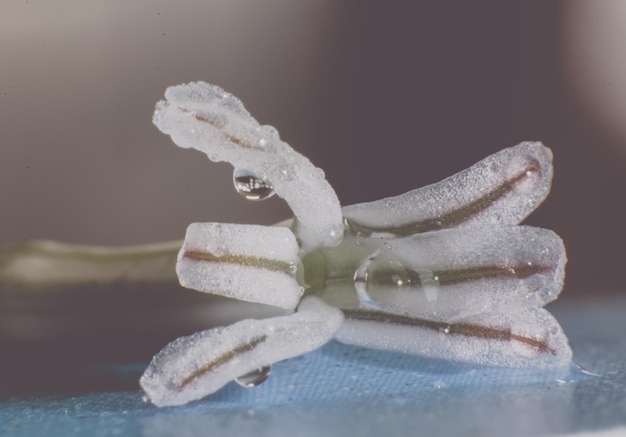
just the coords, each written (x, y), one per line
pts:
(381, 280)
(254, 378)
(360, 279)
(335, 237)
(250, 186)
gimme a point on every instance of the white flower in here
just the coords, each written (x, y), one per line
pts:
(444, 271)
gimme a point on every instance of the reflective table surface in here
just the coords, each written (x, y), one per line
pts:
(340, 389)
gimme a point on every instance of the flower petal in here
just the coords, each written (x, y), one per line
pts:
(190, 368)
(503, 188)
(443, 274)
(528, 338)
(205, 117)
(246, 262)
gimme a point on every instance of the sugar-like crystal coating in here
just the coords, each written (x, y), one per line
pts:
(190, 368)
(207, 118)
(248, 262)
(503, 188)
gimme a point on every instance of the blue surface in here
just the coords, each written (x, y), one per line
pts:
(341, 388)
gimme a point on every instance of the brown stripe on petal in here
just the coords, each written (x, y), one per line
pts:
(519, 271)
(248, 261)
(442, 278)
(219, 123)
(221, 360)
(457, 216)
(465, 329)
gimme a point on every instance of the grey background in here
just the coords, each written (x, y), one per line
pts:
(384, 96)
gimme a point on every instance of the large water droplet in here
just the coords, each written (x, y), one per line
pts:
(254, 378)
(250, 186)
(381, 281)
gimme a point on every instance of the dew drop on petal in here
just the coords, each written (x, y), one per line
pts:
(254, 378)
(250, 186)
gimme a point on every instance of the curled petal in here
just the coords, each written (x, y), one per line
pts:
(205, 117)
(190, 368)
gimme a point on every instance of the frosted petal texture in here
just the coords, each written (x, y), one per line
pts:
(443, 271)
(247, 262)
(525, 338)
(190, 368)
(503, 188)
(205, 117)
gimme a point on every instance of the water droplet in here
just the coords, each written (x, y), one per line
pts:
(250, 186)
(361, 282)
(335, 237)
(382, 281)
(254, 378)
